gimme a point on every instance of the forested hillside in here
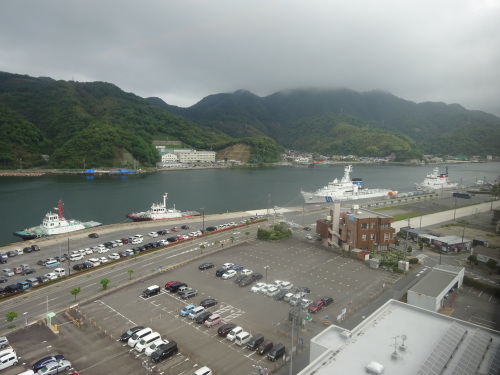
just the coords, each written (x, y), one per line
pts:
(299, 118)
(93, 124)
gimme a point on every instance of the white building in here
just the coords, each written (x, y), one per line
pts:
(169, 157)
(188, 156)
(402, 339)
(434, 291)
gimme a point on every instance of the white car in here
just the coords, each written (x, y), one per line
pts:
(94, 261)
(119, 242)
(229, 274)
(184, 237)
(103, 260)
(232, 335)
(163, 242)
(309, 237)
(278, 283)
(272, 291)
(203, 371)
(286, 285)
(265, 288)
(153, 234)
(151, 348)
(88, 251)
(227, 266)
(114, 256)
(257, 287)
(246, 272)
(50, 276)
(103, 250)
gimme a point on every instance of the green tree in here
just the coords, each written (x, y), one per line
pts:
(130, 273)
(396, 241)
(492, 264)
(75, 291)
(247, 234)
(420, 244)
(10, 316)
(202, 246)
(409, 249)
(472, 260)
(232, 239)
(104, 283)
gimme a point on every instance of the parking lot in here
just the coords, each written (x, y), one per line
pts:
(350, 282)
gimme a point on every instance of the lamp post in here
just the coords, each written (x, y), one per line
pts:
(266, 267)
(203, 216)
(455, 212)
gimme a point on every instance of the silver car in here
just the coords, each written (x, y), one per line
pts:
(54, 367)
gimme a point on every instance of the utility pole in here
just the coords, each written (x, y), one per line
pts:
(203, 215)
(69, 269)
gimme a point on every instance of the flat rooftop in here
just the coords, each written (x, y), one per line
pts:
(433, 283)
(430, 340)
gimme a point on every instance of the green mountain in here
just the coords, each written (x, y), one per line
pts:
(96, 124)
(331, 121)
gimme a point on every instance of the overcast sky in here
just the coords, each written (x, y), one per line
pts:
(182, 51)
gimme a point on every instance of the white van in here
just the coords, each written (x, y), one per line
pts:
(136, 337)
(196, 311)
(242, 338)
(60, 272)
(75, 256)
(146, 341)
(52, 263)
(8, 357)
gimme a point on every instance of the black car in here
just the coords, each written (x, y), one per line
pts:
(211, 229)
(281, 294)
(126, 335)
(241, 278)
(172, 239)
(184, 227)
(42, 262)
(164, 351)
(307, 228)
(220, 272)
(327, 300)
(79, 266)
(3, 260)
(208, 302)
(3, 279)
(225, 329)
(60, 259)
(35, 247)
(27, 250)
(11, 254)
(93, 235)
(256, 276)
(12, 288)
(246, 281)
(28, 271)
(162, 232)
(42, 362)
(205, 266)
(42, 279)
(200, 319)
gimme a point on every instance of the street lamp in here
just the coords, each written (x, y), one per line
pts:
(203, 215)
(266, 267)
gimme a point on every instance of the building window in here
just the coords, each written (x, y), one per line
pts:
(372, 237)
(373, 225)
(387, 236)
(363, 237)
(364, 226)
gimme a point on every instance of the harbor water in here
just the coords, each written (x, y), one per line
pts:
(107, 199)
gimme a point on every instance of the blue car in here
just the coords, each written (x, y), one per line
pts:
(42, 362)
(236, 267)
(187, 310)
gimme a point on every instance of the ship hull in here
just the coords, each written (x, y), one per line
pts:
(313, 198)
(143, 216)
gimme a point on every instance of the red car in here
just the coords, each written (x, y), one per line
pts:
(167, 285)
(316, 306)
(175, 229)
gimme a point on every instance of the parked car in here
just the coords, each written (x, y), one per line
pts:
(154, 346)
(3, 279)
(256, 276)
(236, 267)
(220, 272)
(184, 227)
(27, 250)
(213, 320)
(114, 256)
(3, 342)
(11, 254)
(54, 367)
(162, 232)
(164, 351)
(153, 234)
(12, 288)
(225, 329)
(257, 287)
(151, 291)
(241, 278)
(265, 347)
(208, 302)
(305, 303)
(316, 306)
(227, 266)
(228, 274)
(246, 281)
(170, 283)
(175, 287)
(203, 371)
(327, 300)
(28, 271)
(50, 276)
(93, 235)
(246, 271)
(280, 295)
(205, 266)
(42, 279)
(188, 294)
(186, 310)
(43, 361)
(255, 341)
(234, 332)
(128, 334)
(200, 319)
(309, 237)
(172, 239)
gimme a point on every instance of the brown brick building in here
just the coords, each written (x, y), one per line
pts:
(356, 229)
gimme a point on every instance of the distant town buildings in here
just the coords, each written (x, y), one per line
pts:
(177, 158)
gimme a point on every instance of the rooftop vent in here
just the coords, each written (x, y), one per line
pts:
(374, 368)
(345, 334)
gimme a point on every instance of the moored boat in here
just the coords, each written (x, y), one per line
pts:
(159, 211)
(54, 223)
(436, 181)
(345, 190)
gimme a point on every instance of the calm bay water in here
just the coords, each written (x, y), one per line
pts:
(106, 199)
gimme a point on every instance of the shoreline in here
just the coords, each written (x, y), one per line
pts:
(107, 172)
